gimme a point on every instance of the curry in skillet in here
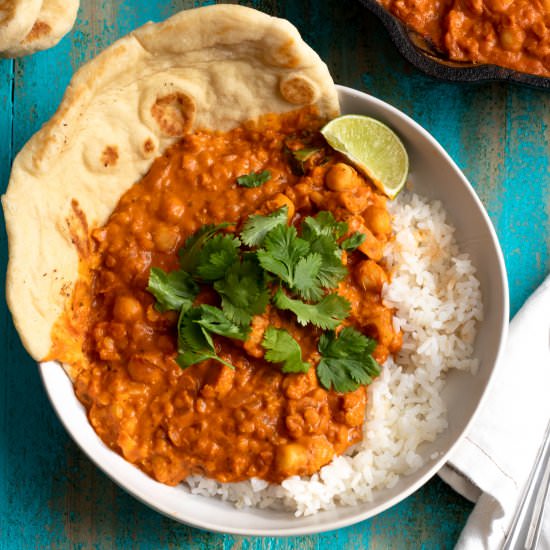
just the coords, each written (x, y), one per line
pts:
(510, 33)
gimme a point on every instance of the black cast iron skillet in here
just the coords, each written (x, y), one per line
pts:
(418, 51)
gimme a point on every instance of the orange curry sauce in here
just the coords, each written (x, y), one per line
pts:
(208, 419)
(510, 33)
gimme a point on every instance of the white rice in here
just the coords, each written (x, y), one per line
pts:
(437, 300)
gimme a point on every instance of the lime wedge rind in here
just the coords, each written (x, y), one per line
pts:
(373, 148)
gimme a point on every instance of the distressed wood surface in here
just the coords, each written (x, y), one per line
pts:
(51, 496)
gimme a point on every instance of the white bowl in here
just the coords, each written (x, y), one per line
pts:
(435, 176)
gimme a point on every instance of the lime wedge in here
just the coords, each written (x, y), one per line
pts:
(373, 148)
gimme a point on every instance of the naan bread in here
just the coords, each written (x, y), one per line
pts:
(55, 19)
(210, 68)
(16, 20)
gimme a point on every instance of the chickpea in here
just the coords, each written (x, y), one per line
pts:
(165, 237)
(291, 458)
(371, 276)
(126, 309)
(172, 209)
(371, 246)
(378, 220)
(355, 200)
(280, 200)
(144, 371)
(341, 177)
(322, 451)
(512, 38)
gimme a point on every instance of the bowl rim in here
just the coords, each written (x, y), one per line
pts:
(81, 440)
(461, 72)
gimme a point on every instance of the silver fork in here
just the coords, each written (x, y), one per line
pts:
(524, 533)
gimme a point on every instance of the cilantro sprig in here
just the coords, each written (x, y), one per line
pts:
(192, 252)
(254, 179)
(243, 291)
(346, 361)
(304, 154)
(326, 314)
(257, 227)
(195, 328)
(307, 264)
(296, 269)
(173, 291)
(355, 240)
(281, 347)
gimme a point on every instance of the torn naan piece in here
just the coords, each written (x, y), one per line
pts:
(16, 20)
(210, 68)
(55, 19)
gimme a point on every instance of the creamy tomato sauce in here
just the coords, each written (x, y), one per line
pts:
(510, 33)
(253, 421)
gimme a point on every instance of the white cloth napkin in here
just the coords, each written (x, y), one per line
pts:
(492, 464)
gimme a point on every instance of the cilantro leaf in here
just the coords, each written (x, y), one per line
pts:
(346, 361)
(282, 251)
(323, 223)
(302, 155)
(332, 270)
(281, 347)
(257, 227)
(216, 256)
(327, 314)
(194, 341)
(350, 342)
(173, 291)
(243, 291)
(254, 179)
(355, 240)
(214, 320)
(322, 232)
(335, 373)
(190, 252)
(305, 277)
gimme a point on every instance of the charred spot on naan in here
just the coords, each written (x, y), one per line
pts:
(109, 156)
(148, 147)
(174, 114)
(39, 30)
(299, 89)
(78, 229)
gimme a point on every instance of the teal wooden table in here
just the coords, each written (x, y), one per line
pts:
(51, 496)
